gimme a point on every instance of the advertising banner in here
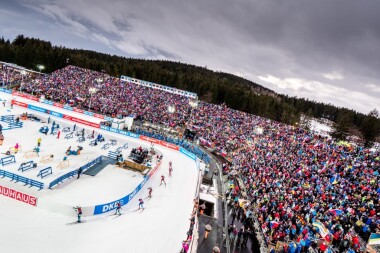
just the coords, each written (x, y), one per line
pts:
(8, 192)
(99, 209)
(56, 114)
(14, 102)
(36, 108)
(48, 102)
(58, 105)
(169, 145)
(19, 94)
(98, 116)
(187, 153)
(104, 127)
(152, 140)
(78, 110)
(66, 107)
(88, 113)
(133, 135)
(6, 91)
(81, 121)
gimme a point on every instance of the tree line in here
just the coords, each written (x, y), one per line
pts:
(211, 86)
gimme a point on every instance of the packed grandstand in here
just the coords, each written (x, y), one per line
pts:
(301, 187)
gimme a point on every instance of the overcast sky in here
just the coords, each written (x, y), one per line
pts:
(324, 50)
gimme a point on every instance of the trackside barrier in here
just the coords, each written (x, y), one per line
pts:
(29, 154)
(17, 178)
(69, 136)
(8, 192)
(74, 172)
(45, 172)
(26, 166)
(99, 209)
(8, 118)
(8, 160)
(46, 158)
(63, 164)
(113, 154)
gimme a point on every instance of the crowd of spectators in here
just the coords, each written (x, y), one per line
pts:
(297, 183)
(10, 77)
(108, 95)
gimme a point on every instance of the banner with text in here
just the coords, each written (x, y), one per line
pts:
(10, 193)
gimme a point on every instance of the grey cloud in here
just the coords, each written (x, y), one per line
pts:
(294, 39)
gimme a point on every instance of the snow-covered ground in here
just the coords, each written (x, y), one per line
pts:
(321, 126)
(159, 228)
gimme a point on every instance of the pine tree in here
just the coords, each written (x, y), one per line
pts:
(370, 128)
(342, 125)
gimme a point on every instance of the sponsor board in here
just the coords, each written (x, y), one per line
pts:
(56, 114)
(154, 170)
(99, 116)
(8, 192)
(187, 153)
(58, 105)
(78, 110)
(133, 135)
(169, 145)
(152, 140)
(6, 91)
(66, 107)
(104, 127)
(18, 103)
(81, 121)
(38, 109)
(48, 102)
(88, 113)
(23, 95)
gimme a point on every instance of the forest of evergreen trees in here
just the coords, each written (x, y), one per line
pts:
(214, 87)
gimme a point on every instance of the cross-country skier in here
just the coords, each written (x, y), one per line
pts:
(163, 180)
(170, 169)
(141, 204)
(78, 209)
(118, 208)
(150, 190)
(170, 172)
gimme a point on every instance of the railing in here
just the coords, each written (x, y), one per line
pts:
(74, 172)
(25, 180)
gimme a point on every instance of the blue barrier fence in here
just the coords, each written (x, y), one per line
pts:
(74, 172)
(25, 180)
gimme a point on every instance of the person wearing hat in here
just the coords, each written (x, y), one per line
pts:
(208, 228)
(216, 249)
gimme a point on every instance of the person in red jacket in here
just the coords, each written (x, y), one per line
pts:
(78, 209)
